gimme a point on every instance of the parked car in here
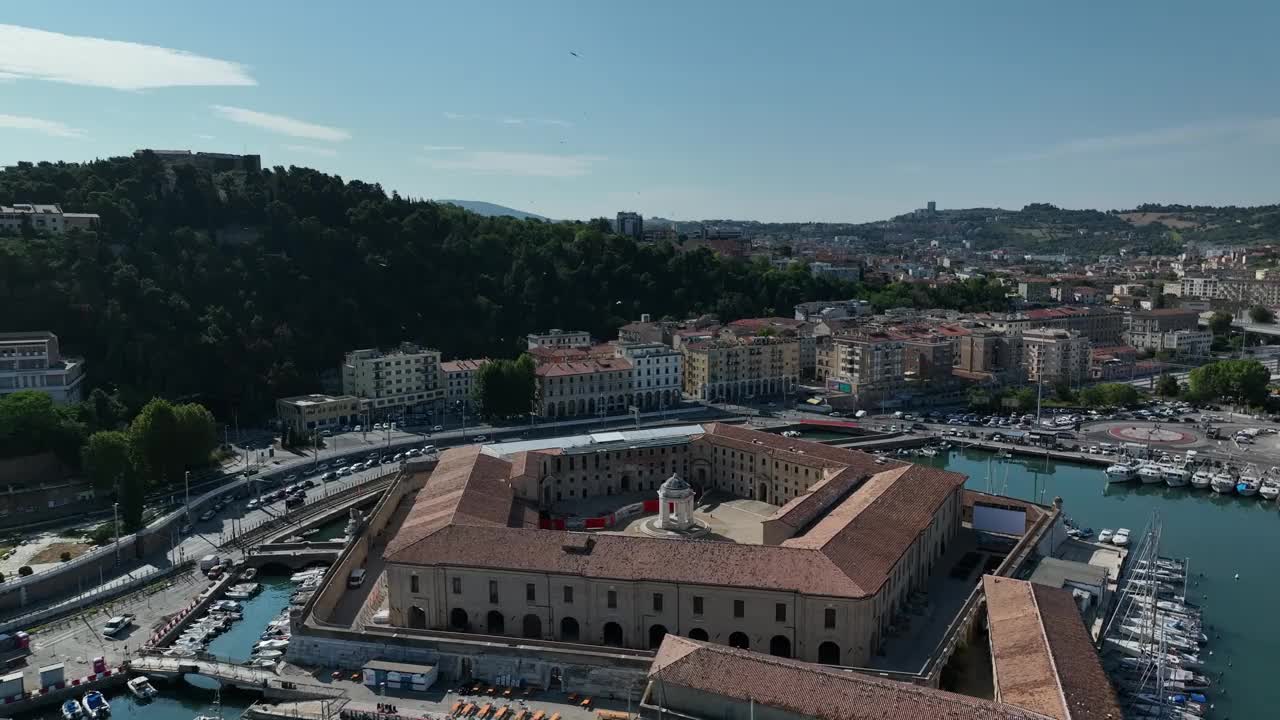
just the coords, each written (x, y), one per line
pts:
(377, 426)
(437, 428)
(345, 471)
(479, 438)
(207, 515)
(359, 428)
(308, 483)
(329, 477)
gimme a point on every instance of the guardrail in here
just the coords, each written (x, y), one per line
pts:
(111, 589)
(310, 510)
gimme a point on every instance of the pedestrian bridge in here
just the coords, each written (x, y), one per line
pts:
(295, 556)
(262, 680)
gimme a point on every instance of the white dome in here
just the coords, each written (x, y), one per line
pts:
(674, 486)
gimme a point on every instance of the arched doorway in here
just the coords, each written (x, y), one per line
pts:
(740, 641)
(762, 492)
(494, 623)
(417, 618)
(612, 634)
(780, 646)
(829, 653)
(569, 630)
(626, 483)
(702, 477)
(656, 633)
(698, 634)
(532, 626)
(458, 619)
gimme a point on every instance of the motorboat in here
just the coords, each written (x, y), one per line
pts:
(1150, 473)
(1121, 538)
(1135, 648)
(249, 574)
(95, 705)
(226, 606)
(243, 591)
(263, 662)
(141, 688)
(1175, 476)
(1223, 483)
(1248, 486)
(1121, 472)
(1104, 536)
(279, 644)
(1201, 479)
(71, 710)
(180, 651)
(1270, 489)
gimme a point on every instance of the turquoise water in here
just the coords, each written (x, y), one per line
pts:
(1221, 535)
(237, 643)
(177, 701)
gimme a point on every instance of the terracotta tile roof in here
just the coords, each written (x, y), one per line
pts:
(796, 451)
(584, 367)
(802, 510)
(1042, 654)
(867, 535)
(463, 365)
(808, 690)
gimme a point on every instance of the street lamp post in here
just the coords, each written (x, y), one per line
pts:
(115, 523)
(186, 482)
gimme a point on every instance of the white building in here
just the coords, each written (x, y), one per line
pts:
(458, 379)
(390, 382)
(557, 338)
(657, 374)
(32, 361)
(43, 218)
(1183, 343)
(1052, 355)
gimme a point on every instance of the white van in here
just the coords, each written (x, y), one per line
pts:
(209, 561)
(356, 578)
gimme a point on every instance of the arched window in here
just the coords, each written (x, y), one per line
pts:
(698, 634)
(829, 653)
(780, 646)
(740, 640)
(569, 630)
(612, 634)
(656, 633)
(532, 626)
(494, 623)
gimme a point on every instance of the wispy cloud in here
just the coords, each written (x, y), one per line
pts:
(512, 121)
(509, 119)
(312, 150)
(282, 124)
(98, 62)
(204, 136)
(493, 162)
(453, 115)
(1195, 134)
(48, 127)
(442, 148)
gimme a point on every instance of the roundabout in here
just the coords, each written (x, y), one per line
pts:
(1152, 434)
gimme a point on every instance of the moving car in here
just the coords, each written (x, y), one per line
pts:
(437, 428)
(207, 515)
(116, 625)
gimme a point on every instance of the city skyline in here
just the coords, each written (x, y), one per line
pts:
(837, 113)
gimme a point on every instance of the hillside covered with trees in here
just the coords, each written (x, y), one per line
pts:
(232, 289)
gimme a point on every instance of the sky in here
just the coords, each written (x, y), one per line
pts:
(830, 111)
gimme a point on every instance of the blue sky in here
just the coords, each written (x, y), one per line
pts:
(762, 110)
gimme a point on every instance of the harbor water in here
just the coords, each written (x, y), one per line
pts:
(237, 643)
(1221, 535)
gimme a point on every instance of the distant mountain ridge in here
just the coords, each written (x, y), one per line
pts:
(489, 209)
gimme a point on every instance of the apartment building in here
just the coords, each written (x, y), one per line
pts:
(457, 379)
(1103, 326)
(583, 388)
(868, 361)
(832, 310)
(1248, 291)
(393, 381)
(1052, 356)
(928, 358)
(657, 374)
(733, 368)
(307, 414)
(1173, 330)
(44, 218)
(1163, 320)
(1035, 289)
(786, 327)
(557, 338)
(33, 361)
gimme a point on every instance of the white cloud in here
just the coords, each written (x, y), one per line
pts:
(97, 62)
(535, 121)
(453, 115)
(282, 124)
(48, 127)
(512, 121)
(204, 136)
(312, 150)
(442, 148)
(1252, 129)
(493, 162)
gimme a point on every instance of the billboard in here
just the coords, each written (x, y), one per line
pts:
(840, 386)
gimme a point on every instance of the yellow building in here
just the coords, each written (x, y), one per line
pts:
(306, 414)
(741, 368)
(390, 382)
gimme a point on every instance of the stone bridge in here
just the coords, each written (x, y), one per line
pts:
(260, 680)
(295, 556)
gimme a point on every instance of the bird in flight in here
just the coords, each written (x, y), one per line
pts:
(574, 54)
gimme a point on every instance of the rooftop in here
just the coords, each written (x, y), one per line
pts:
(583, 367)
(315, 399)
(463, 365)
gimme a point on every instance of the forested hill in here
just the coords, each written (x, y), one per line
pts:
(234, 289)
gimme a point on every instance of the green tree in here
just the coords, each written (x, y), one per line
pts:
(104, 411)
(1167, 386)
(1220, 322)
(1240, 381)
(1062, 391)
(108, 457)
(156, 443)
(505, 387)
(30, 423)
(197, 433)
(1262, 315)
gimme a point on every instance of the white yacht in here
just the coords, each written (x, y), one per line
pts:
(141, 688)
(1121, 472)
(1150, 473)
(1223, 483)
(1201, 479)
(1175, 476)
(1104, 536)
(1121, 538)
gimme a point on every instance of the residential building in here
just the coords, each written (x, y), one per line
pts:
(457, 378)
(1163, 320)
(869, 361)
(212, 162)
(33, 361)
(989, 355)
(44, 218)
(838, 272)
(1181, 343)
(928, 358)
(631, 225)
(1248, 291)
(557, 338)
(1113, 362)
(1035, 289)
(1100, 325)
(308, 414)
(646, 330)
(389, 382)
(1052, 356)
(732, 367)
(657, 374)
(832, 310)
(781, 326)
(583, 388)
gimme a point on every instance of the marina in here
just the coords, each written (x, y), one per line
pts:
(1213, 530)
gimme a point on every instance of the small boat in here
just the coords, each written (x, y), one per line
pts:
(1201, 479)
(1248, 486)
(71, 710)
(268, 654)
(1175, 476)
(271, 644)
(1121, 538)
(1223, 483)
(1121, 472)
(95, 705)
(141, 688)
(1150, 474)
(1104, 536)
(249, 574)
(264, 662)
(1270, 489)
(226, 606)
